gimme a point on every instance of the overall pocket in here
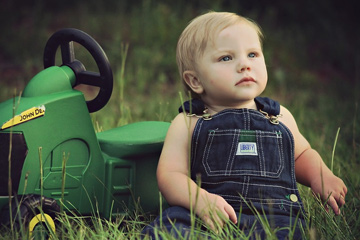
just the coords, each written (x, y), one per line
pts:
(238, 152)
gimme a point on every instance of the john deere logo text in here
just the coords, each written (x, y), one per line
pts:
(25, 116)
(35, 112)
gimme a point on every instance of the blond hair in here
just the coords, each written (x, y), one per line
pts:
(200, 31)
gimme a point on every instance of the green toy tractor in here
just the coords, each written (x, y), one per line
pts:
(50, 155)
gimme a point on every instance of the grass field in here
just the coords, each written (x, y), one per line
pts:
(140, 39)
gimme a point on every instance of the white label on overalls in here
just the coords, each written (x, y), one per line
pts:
(247, 148)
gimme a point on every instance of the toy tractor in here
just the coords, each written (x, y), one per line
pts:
(50, 155)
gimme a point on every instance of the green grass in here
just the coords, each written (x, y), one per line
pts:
(141, 51)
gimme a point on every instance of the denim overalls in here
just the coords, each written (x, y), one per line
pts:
(247, 157)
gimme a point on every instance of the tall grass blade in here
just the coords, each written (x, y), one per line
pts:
(14, 108)
(333, 151)
(63, 179)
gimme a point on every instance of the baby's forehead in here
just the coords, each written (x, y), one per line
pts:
(219, 32)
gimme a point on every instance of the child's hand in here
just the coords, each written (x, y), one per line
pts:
(215, 211)
(331, 189)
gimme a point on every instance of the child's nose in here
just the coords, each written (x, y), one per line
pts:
(243, 65)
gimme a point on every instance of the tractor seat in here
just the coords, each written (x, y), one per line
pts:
(134, 139)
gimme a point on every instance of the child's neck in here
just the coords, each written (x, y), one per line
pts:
(213, 108)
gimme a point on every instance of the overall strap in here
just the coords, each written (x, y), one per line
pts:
(268, 105)
(197, 107)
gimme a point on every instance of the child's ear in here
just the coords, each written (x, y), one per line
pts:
(193, 82)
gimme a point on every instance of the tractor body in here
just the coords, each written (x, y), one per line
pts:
(48, 147)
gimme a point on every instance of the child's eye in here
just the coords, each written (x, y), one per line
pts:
(252, 55)
(226, 58)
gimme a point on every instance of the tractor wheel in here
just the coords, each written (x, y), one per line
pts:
(32, 213)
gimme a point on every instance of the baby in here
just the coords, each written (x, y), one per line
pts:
(231, 153)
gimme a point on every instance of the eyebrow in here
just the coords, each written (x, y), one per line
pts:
(218, 52)
(229, 50)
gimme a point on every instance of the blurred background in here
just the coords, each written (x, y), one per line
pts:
(311, 50)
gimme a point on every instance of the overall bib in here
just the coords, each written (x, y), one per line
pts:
(247, 157)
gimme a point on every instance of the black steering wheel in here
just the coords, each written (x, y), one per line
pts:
(104, 79)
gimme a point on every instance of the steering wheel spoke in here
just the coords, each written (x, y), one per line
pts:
(90, 78)
(67, 52)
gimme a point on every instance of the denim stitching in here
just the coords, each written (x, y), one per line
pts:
(257, 200)
(243, 186)
(281, 155)
(197, 128)
(292, 157)
(251, 184)
(228, 170)
(207, 152)
(248, 119)
(247, 187)
(274, 202)
(231, 155)
(289, 154)
(261, 156)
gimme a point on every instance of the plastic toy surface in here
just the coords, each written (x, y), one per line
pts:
(50, 151)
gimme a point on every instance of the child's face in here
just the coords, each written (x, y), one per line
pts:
(232, 70)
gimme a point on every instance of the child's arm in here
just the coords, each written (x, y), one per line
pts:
(310, 169)
(174, 181)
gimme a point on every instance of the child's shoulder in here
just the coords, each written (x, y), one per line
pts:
(182, 123)
(287, 118)
(301, 144)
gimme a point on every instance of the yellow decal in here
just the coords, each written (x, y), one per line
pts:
(25, 116)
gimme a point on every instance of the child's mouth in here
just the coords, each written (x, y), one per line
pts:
(245, 80)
